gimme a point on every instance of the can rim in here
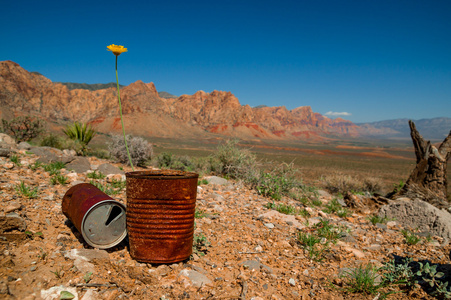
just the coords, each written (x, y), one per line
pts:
(102, 246)
(161, 174)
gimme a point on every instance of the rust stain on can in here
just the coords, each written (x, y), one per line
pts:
(100, 219)
(160, 215)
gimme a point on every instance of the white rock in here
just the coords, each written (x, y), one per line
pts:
(8, 166)
(194, 278)
(322, 214)
(70, 152)
(392, 223)
(269, 225)
(72, 176)
(4, 138)
(25, 163)
(54, 293)
(90, 295)
(114, 177)
(218, 208)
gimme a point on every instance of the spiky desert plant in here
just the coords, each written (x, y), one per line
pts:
(81, 133)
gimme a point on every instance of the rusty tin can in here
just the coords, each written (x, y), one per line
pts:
(100, 219)
(160, 215)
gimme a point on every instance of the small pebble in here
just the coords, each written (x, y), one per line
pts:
(269, 225)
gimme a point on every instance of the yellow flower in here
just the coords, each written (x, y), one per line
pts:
(116, 49)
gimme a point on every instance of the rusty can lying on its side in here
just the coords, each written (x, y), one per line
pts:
(100, 219)
(160, 215)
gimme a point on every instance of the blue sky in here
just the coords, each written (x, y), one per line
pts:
(362, 60)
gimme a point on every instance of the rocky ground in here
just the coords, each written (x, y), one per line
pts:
(244, 249)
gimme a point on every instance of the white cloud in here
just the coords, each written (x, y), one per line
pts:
(337, 114)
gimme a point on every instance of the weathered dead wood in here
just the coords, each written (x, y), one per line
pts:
(428, 180)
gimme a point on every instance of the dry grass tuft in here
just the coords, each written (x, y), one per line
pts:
(342, 183)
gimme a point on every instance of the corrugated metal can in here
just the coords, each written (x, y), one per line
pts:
(100, 219)
(160, 215)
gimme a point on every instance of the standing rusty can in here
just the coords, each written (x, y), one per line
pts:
(160, 215)
(100, 219)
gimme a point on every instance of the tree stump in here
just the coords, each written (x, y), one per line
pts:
(428, 180)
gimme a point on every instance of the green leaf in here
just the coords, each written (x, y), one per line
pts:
(66, 295)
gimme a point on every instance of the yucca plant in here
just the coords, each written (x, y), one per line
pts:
(81, 133)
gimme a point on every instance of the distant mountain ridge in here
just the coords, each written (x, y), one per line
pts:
(435, 128)
(202, 115)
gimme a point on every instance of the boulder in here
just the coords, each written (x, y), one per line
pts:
(12, 222)
(79, 164)
(5, 152)
(7, 140)
(49, 155)
(419, 214)
(107, 169)
(217, 180)
(24, 146)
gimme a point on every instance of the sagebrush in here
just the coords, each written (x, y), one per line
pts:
(342, 184)
(234, 162)
(140, 150)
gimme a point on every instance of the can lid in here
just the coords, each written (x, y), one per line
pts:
(104, 225)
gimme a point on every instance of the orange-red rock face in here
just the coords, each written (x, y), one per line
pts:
(145, 113)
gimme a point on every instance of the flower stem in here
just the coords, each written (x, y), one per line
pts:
(122, 120)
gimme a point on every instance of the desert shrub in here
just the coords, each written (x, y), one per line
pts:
(74, 145)
(23, 128)
(166, 160)
(81, 133)
(233, 162)
(278, 182)
(182, 163)
(207, 165)
(341, 184)
(203, 165)
(334, 206)
(372, 185)
(238, 163)
(140, 150)
(317, 241)
(99, 153)
(52, 140)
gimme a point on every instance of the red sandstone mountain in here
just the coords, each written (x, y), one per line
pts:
(146, 114)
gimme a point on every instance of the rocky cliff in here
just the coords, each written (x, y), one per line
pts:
(147, 114)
